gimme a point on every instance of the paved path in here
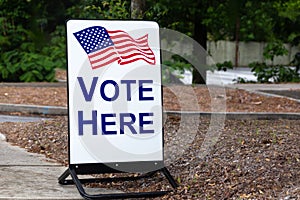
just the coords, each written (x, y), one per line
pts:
(26, 175)
(10, 118)
(290, 91)
(222, 77)
(230, 76)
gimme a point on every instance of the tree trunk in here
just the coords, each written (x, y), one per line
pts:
(200, 35)
(137, 8)
(237, 40)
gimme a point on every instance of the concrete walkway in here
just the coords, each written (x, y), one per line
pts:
(222, 77)
(260, 87)
(26, 175)
(274, 90)
(9, 118)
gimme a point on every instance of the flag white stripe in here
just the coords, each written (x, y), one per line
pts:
(97, 55)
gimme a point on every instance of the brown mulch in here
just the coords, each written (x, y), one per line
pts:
(175, 97)
(247, 159)
(252, 159)
(51, 96)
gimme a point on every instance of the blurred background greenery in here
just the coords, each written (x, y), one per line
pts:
(32, 32)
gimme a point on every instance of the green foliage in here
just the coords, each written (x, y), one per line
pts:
(296, 61)
(26, 65)
(290, 12)
(56, 50)
(175, 65)
(289, 9)
(32, 34)
(178, 63)
(274, 73)
(256, 20)
(224, 66)
(27, 51)
(172, 14)
(156, 12)
(94, 9)
(217, 22)
(273, 49)
(242, 80)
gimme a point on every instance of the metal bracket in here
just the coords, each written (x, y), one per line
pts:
(78, 182)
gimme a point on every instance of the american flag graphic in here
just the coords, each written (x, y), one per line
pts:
(104, 47)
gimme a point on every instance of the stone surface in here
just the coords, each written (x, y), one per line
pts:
(26, 175)
(10, 118)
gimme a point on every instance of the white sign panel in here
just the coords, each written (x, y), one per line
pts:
(114, 88)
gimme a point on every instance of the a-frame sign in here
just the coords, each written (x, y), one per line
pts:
(114, 102)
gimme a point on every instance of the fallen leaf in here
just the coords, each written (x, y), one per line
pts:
(257, 103)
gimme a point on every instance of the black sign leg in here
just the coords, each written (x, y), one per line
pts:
(169, 177)
(63, 178)
(78, 182)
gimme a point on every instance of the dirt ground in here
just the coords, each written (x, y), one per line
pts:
(175, 97)
(246, 159)
(223, 159)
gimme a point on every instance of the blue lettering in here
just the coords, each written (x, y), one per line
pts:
(82, 122)
(142, 90)
(145, 122)
(129, 123)
(102, 88)
(128, 82)
(87, 95)
(105, 123)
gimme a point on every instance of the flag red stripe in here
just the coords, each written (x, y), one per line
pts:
(117, 31)
(127, 50)
(95, 66)
(123, 62)
(133, 52)
(118, 34)
(126, 36)
(126, 46)
(102, 58)
(125, 41)
(136, 54)
(142, 44)
(143, 38)
(97, 53)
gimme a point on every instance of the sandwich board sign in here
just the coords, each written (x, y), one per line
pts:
(114, 99)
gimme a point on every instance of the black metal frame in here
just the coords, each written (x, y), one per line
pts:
(73, 172)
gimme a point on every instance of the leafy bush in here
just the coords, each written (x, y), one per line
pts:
(175, 65)
(274, 73)
(274, 49)
(56, 50)
(224, 66)
(25, 53)
(32, 39)
(243, 80)
(28, 63)
(22, 66)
